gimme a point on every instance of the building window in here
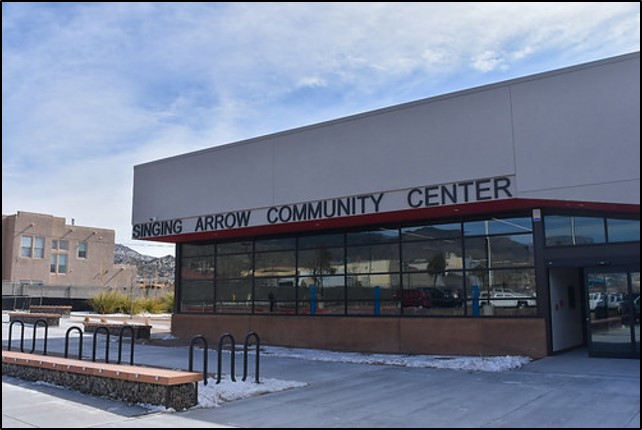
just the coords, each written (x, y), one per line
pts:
(82, 250)
(499, 268)
(623, 230)
(60, 245)
(564, 230)
(59, 264)
(438, 269)
(32, 247)
(26, 247)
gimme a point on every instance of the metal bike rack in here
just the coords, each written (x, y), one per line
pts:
(120, 344)
(220, 357)
(35, 330)
(193, 342)
(246, 347)
(22, 335)
(69, 330)
(93, 353)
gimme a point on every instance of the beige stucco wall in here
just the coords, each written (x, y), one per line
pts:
(96, 270)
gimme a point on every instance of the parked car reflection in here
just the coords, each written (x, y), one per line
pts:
(505, 298)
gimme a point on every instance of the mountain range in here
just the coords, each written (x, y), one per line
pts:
(150, 269)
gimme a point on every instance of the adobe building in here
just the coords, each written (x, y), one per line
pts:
(503, 219)
(42, 255)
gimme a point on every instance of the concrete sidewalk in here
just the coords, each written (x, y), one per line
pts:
(569, 390)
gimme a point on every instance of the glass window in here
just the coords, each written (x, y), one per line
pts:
(275, 263)
(196, 250)
(238, 247)
(589, 230)
(498, 226)
(82, 250)
(502, 293)
(362, 287)
(62, 263)
(26, 245)
(197, 268)
(558, 230)
(32, 247)
(321, 261)
(62, 245)
(373, 294)
(513, 250)
(434, 231)
(323, 295)
(623, 230)
(197, 296)
(373, 258)
(432, 294)
(234, 266)
(275, 244)
(566, 230)
(321, 241)
(380, 235)
(275, 295)
(39, 247)
(476, 252)
(58, 263)
(233, 296)
(434, 255)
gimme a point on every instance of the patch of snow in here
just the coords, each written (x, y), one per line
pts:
(165, 337)
(213, 395)
(152, 409)
(464, 363)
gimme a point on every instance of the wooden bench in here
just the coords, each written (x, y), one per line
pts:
(140, 331)
(64, 311)
(29, 318)
(134, 384)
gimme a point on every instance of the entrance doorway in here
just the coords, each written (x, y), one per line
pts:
(613, 311)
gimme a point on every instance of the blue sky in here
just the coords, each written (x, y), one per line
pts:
(92, 89)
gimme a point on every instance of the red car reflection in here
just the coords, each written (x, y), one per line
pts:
(419, 298)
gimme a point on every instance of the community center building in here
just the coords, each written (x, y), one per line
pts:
(503, 219)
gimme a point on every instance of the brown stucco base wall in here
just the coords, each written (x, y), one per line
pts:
(452, 336)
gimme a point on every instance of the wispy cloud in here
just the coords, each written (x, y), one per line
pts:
(91, 89)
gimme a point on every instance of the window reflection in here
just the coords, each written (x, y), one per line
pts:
(275, 264)
(373, 258)
(234, 295)
(275, 295)
(275, 244)
(498, 226)
(435, 255)
(434, 231)
(623, 230)
(234, 266)
(197, 268)
(321, 261)
(238, 247)
(424, 270)
(589, 230)
(197, 250)
(502, 292)
(380, 235)
(321, 241)
(197, 296)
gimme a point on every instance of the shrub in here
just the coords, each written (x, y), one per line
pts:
(108, 302)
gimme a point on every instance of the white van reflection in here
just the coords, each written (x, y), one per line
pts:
(504, 298)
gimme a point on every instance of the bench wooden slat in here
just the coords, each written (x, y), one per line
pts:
(148, 375)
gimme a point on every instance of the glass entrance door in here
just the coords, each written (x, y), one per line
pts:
(613, 319)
